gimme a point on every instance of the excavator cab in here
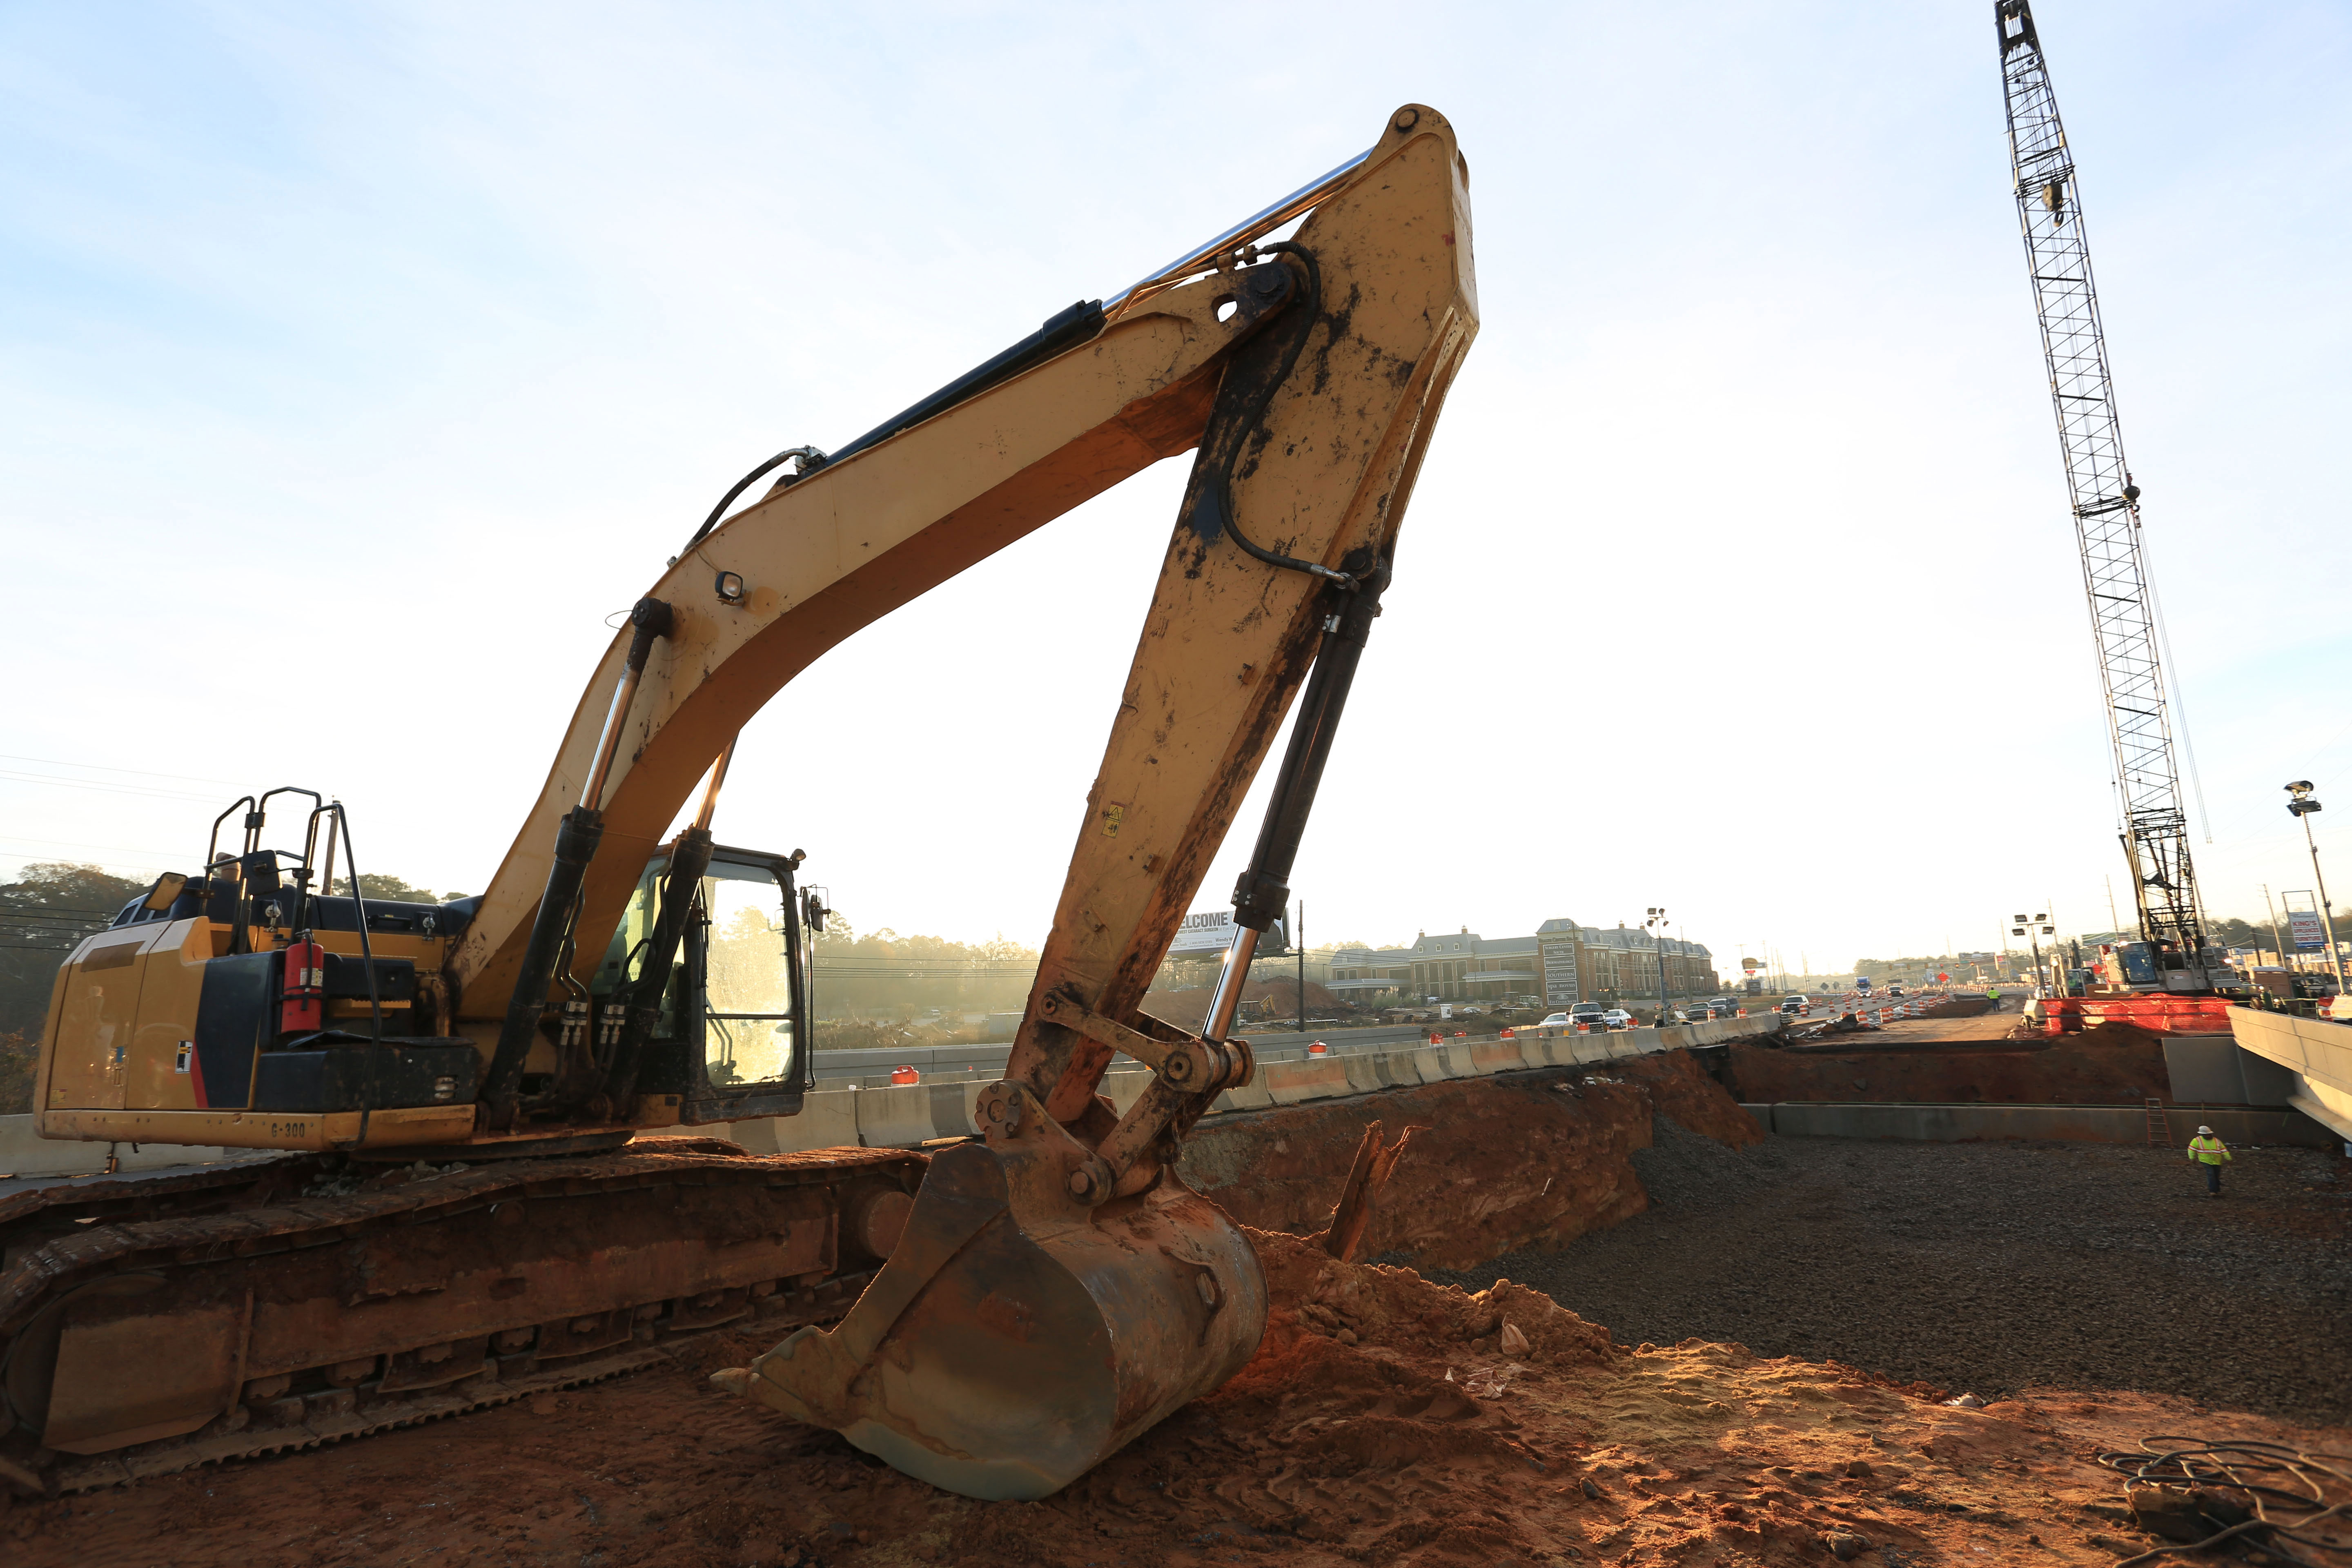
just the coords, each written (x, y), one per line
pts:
(732, 1038)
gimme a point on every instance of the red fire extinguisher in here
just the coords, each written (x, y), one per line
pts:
(303, 1001)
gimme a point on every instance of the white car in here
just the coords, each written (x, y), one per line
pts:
(1555, 1021)
(1618, 1018)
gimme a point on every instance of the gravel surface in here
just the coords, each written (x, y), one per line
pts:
(1989, 1268)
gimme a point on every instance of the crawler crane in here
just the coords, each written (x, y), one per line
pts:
(2171, 956)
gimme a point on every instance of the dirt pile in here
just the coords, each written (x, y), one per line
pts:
(1521, 1160)
(1432, 1439)
(2115, 1065)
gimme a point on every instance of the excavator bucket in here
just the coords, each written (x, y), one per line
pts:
(1003, 1361)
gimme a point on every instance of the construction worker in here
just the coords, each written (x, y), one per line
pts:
(2210, 1152)
(1993, 998)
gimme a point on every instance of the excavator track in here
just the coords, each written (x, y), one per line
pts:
(148, 1326)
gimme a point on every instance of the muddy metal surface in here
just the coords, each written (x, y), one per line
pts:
(1991, 1267)
(2113, 1066)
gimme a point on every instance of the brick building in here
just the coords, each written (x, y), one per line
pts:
(1561, 962)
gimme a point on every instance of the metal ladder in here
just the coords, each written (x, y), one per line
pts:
(2160, 1130)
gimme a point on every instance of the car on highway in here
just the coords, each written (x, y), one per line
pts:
(1722, 1007)
(1555, 1021)
(1616, 1019)
(1795, 1004)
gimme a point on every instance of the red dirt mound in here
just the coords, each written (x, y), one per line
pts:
(1526, 1160)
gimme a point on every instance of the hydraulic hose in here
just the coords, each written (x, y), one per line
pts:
(1221, 478)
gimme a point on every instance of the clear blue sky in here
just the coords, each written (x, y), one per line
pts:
(356, 361)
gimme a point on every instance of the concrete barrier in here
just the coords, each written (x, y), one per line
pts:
(2053, 1123)
(882, 1114)
(871, 1069)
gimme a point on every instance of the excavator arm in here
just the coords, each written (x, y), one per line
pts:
(1057, 1289)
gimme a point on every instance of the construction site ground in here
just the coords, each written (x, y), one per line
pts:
(1987, 1026)
(1751, 1366)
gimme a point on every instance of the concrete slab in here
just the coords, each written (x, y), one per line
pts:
(2214, 1069)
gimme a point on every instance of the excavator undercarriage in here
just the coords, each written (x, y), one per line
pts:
(161, 1322)
(484, 1188)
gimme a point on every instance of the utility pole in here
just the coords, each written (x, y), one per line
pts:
(2278, 942)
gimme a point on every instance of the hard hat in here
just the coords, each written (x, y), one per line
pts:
(2204, 1132)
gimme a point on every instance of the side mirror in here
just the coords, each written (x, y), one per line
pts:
(165, 892)
(812, 911)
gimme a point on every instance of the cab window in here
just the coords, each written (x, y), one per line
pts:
(749, 980)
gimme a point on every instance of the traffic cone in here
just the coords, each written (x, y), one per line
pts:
(1318, 1049)
(905, 1075)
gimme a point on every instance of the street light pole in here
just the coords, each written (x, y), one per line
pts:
(1301, 939)
(2033, 930)
(2303, 805)
(1657, 926)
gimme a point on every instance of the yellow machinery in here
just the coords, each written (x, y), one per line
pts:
(479, 1206)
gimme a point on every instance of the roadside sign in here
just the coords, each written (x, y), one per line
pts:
(2308, 936)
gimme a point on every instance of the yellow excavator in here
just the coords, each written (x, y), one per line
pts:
(485, 1190)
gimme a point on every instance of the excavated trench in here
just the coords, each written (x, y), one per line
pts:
(2114, 1064)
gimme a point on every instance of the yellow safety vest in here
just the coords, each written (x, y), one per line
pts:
(2212, 1150)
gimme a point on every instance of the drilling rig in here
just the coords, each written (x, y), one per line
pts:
(2171, 959)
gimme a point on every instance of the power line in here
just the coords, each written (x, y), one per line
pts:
(11, 776)
(83, 843)
(103, 768)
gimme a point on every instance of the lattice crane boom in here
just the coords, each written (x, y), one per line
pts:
(2105, 503)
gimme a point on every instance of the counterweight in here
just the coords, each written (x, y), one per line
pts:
(2105, 501)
